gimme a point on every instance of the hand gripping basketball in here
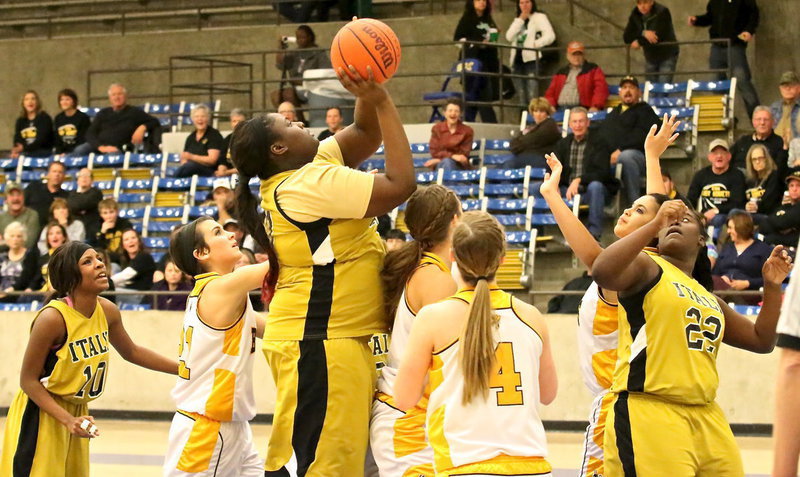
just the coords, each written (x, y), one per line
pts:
(366, 42)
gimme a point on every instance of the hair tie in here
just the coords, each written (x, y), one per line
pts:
(481, 278)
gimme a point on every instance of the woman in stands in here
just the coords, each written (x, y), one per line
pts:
(663, 418)
(490, 365)
(741, 259)
(202, 147)
(70, 124)
(764, 186)
(60, 213)
(323, 286)
(476, 25)
(14, 260)
(35, 277)
(530, 29)
(537, 140)
(137, 268)
(64, 368)
(33, 131)
(174, 280)
(414, 276)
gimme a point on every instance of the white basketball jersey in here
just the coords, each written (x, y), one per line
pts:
(506, 421)
(216, 364)
(403, 319)
(597, 340)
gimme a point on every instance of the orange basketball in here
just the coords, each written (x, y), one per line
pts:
(367, 42)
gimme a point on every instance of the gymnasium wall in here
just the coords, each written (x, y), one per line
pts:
(745, 394)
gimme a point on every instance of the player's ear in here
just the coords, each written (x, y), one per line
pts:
(278, 148)
(201, 254)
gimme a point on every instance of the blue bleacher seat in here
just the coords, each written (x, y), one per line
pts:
(420, 148)
(107, 160)
(518, 238)
(33, 306)
(8, 164)
(132, 213)
(174, 184)
(134, 198)
(200, 210)
(466, 190)
(461, 176)
(747, 309)
(712, 86)
(145, 160)
(105, 185)
(427, 177)
(498, 144)
(31, 176)
(135, 307)
(496, 159)
(471, 204)
(36, 162)
(157, 256)
(156, 242)
(167, 212)
(76, 162)
(91, 112)
(667, 102)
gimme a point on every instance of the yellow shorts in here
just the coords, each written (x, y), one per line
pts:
(37, 445)
(502, 465)
(646, 435)
(324, 396)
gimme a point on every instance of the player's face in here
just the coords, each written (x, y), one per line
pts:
(682, 236)
(295, 137)
(221, 247)
(642, 211)
(94, 276)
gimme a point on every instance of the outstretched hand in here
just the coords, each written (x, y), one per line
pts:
(656, 143)
(365, 89)
(553, 178)
(777, 266)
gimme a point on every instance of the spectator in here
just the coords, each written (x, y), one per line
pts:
(735, 21)
(782, 227)
(586, 157)
(580, 83)
(34, 276)
(83, 201)
(137, 268)
(476, 25)
(625, 130)
(33, 131)
(740, 260)
(70, 124)
(288, 111)
(763, 181)
(530, 29)
(117, 127)
(307, 56)
(60, 213)
(537, 140)
(794, 153)
(395, 239)
(111, 267)
(13, 260)
(174, 280)
(201, 149)
(451, 140)
(786, 111)
(16, 211)
(109, 236)
(242, 240)
(224, 165)
(718, 188)
(333, 119)
(39, 195)
(222, 196)
(669, 187)
(763, 134)
(649, 24)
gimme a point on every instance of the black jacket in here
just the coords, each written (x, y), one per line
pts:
(768, 194)
(729, 18)
(70, 130)
(783, 226)
(475, 28)
(721, 191)
(774, 145)
(38, 197)
(35, 135)
(539, 140)
(628, 130)
(83, 206)
(115, 128)
(658, 20)
(596, 161)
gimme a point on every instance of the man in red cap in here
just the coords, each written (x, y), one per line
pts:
(580, 83)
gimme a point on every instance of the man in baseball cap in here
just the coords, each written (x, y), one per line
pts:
(580, 83)
(222, 194)
(718, 188)
(18, 212)
(786, 111)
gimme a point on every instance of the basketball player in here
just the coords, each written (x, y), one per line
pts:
(490, 366)
(414, 276)
(210, 434)
(597, 316)
(65, 364)
(663, 418)
(324, 286)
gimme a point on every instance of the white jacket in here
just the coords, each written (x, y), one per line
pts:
(538, 22)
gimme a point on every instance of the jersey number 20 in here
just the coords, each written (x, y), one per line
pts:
(505, 377)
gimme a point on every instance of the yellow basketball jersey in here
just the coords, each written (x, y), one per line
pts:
(669, 336)
(76, 371)
(329, 282)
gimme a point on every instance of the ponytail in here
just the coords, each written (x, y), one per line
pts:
(247, 208)
(477, 344)
(397, 270)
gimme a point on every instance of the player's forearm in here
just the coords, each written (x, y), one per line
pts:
(38, 394)
(149, 359)
(653, 171)
(576, 235)
(399, 166)
(614, 260)
(767, 320)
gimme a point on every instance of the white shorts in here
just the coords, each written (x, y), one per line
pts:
(202, 447)
(592, 464)
(398, 441)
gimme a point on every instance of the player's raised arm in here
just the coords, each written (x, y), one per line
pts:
(654, 146)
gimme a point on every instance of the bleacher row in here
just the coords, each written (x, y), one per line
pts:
(171, 116)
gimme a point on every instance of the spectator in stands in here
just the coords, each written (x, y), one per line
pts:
(580, 83)
(782, 227)
(333, 119)
(109, 236)
(625, 129)
(70, 124)
(13, 260)
(174, 280)
(763, 134)
(530, 29)
(669, 187)
(202, 147)
(60, 213)
(395, 239)
(33, 131)
(451, 140)
(137, 268)
(307, 56)
(650, 24)
(83, 202)
(794, 153)
(477, 25)
(16, 211)
(222, 195)
(224, 165)
(34, 276)
(735, 21)
(288, 111)
(763, 181)
(118, 127)
(718, 188)
(39, 195)
(740, 260)
(786, 111)
(536, 140)
(586, 159)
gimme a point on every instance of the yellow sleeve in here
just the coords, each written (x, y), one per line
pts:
(325, 188)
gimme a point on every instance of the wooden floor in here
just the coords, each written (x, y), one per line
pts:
(136, 448)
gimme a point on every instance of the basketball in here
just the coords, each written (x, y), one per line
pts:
(367, 42)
